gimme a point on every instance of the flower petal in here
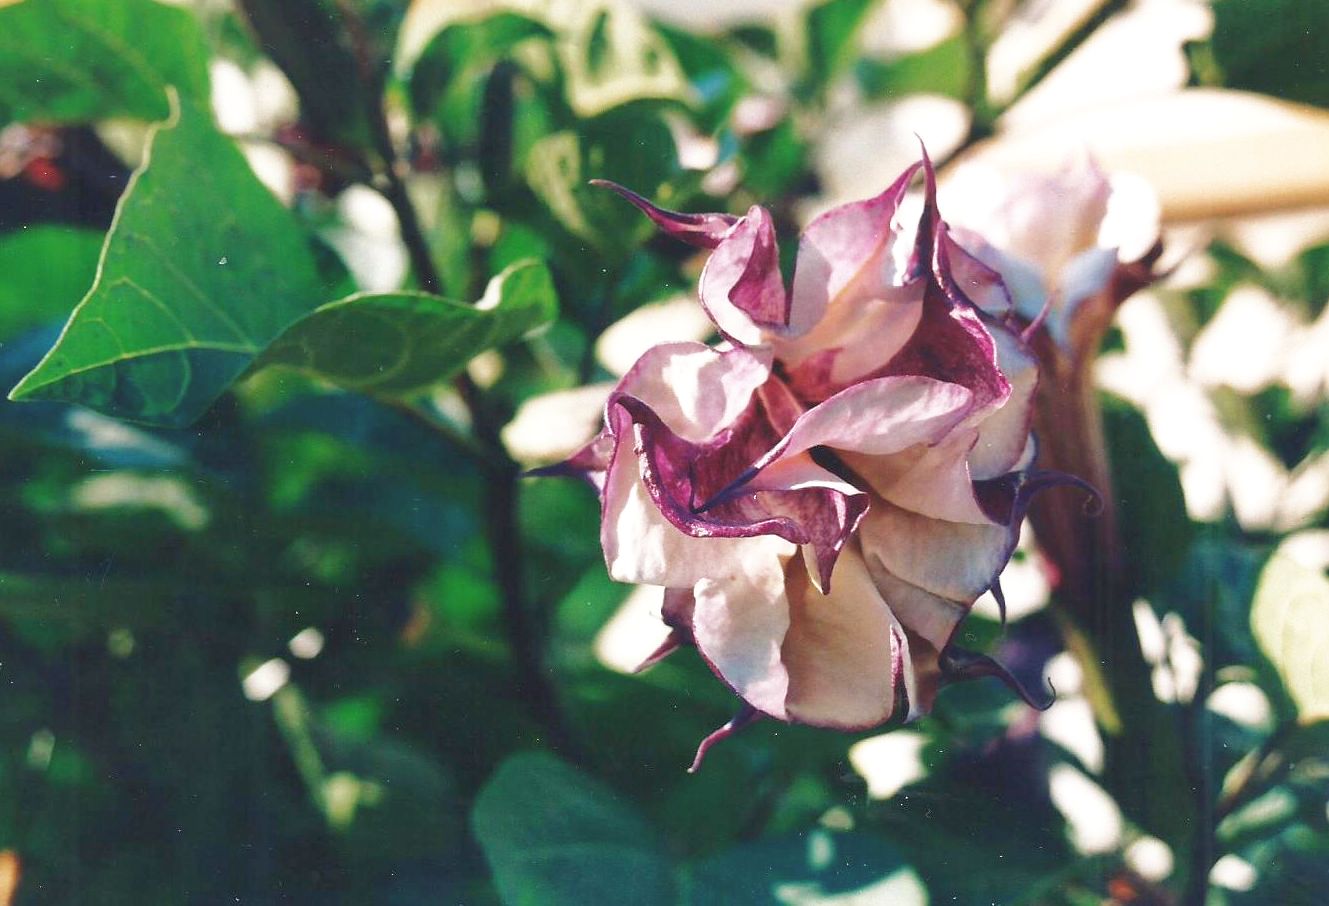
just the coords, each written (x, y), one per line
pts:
(798, 501)
(704, 230)
(957, 561)
(741, 286)
(696, 391)
(851, 341)
(845, 652)
(1004, 434)
(841, 247)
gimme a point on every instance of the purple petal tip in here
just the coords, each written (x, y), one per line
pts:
(746, 715)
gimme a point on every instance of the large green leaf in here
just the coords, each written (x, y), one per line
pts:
(832, 30)
(553, 836)
(397, 343)
(44, 271)
(820, 867)
(201, 270)
(78, 60)
(1290, 619)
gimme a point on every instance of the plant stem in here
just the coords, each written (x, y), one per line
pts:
(502, 530)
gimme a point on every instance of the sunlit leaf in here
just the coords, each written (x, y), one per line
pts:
(554, 836)
(397, 343)
(832, 33)
(77, 60)
(201, 270)
(1290, 619)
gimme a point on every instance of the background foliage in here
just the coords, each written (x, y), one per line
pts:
(279, 622)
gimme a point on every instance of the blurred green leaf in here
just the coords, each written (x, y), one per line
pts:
(943, 68)
(1149, 498)
(832, 35)
(447, 82)
(815, 868)
(44, 271)
(309, 40)
(1290, 619)
(201, 270)
(398, 343)
(553, 836)
(611, 56)
(1279, 47)
(69, 61)
(632, 146)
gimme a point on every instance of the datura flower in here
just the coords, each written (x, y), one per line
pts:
(824, 493)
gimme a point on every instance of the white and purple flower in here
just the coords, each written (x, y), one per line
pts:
(824, 493)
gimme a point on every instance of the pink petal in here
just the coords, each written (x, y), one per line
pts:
(641, 545)
(1003, 434)
(741, 286)
(696, 390)
(845, 652)
(841, 247)
(704, 230)
(799, 502)
(966, 278)
(852, 341)
(956, 561)
(739, 623)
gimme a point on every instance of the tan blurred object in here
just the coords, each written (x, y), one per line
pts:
(10, 872)
(1206, 152)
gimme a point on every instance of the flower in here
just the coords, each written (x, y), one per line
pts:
(824, 494)
(1043, 233)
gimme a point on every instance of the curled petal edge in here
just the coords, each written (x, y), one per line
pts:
(702, 230)
(961, 664)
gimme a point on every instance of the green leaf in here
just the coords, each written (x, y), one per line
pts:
(44, 271)
(68, 61)
(814, 868)
(832, 30)
(1279, 47)
(611, 56)
(308, 40)
(1290, 619)
(560, 164)
(397, 343)
(1149, 498)
(201, 270)
(553, 836)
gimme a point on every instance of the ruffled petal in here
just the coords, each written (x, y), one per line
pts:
(842, 247)
(799, 501)
(957, 561)
(851, 341)
(741, 286)
(703, 230)
(1004, 434)
(740, 618)
(641, 545)
(696, 391)
(845, 652)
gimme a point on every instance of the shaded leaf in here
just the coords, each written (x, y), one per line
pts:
(819, 867)
(397, 343)
(554, 836)
(308, 40)
(201, 270)
(1279, 47)
(1290, 619)
(1149, 498)
(67, 61)
(44, 271)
